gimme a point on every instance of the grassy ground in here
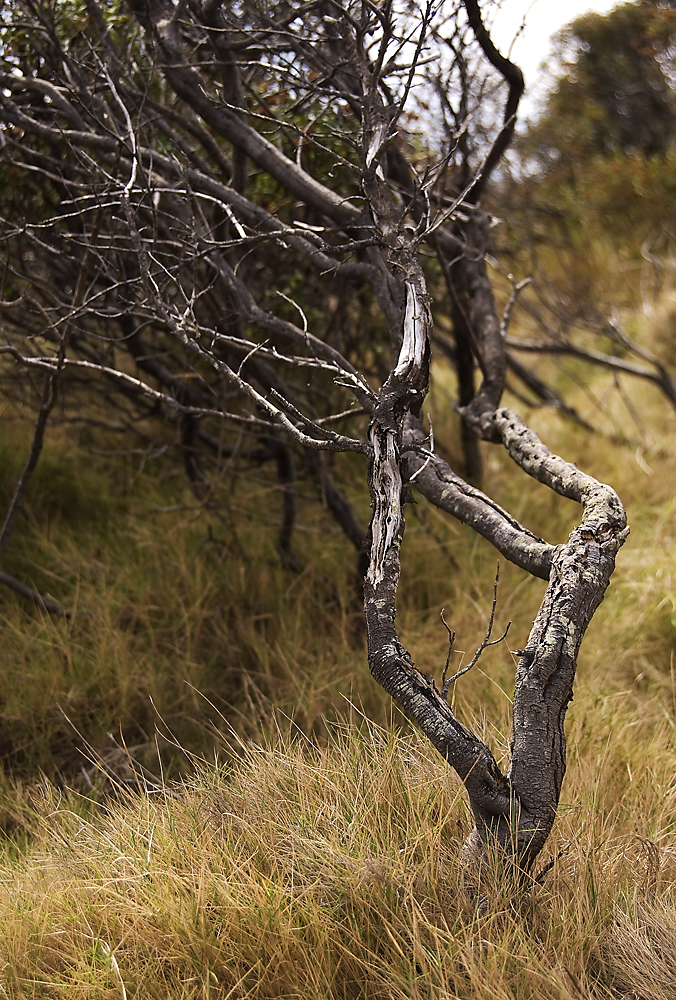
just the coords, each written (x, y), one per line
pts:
(303, 871)
(317, 857)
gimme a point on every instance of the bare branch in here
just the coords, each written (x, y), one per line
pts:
(44, 603)
(16, 503)
(515, 81)
(446, 684)
(517, 287)
(247, 163)
(441, 486)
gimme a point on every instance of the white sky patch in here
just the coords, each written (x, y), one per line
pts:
(531, 47)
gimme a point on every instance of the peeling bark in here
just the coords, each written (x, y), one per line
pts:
(580, 574)
(517, 810)
(390, 663)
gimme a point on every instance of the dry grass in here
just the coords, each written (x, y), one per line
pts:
(173, 610)
(306, 871)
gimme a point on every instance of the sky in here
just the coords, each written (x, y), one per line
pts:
(532, 47)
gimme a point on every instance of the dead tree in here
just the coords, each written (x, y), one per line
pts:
(184, 162)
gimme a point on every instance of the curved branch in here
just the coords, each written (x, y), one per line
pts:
(580, 574)
(516, 84)
(437, 482)
(661, 377)
(490, 795)
(531, 455)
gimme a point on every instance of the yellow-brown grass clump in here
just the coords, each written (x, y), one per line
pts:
(301, 871)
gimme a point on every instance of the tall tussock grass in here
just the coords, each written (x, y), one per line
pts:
(307, 871)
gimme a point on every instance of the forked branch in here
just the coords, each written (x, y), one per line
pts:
(486, 642)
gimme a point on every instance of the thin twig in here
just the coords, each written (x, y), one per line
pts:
(451, 640)
(46, 406)
(16, 503)
(507, 315)
(484, 645)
